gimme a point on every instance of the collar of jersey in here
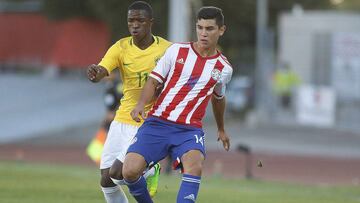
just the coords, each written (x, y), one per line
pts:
(156, 42)
(206, 57)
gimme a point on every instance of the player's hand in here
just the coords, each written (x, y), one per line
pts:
(224, 139)
(93, 72)
(138, 110)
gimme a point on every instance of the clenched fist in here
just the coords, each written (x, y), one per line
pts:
(95, 73)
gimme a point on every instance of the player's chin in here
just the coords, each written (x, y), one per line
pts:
(204, 44)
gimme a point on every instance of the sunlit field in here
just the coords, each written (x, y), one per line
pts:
(34, 183)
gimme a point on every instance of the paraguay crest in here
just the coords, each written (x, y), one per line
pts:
(216, 74)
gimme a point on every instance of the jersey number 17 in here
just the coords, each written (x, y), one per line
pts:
(142, 76)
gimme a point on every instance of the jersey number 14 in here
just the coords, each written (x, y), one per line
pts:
(199, 139)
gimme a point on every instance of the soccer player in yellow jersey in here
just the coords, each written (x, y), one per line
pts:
(135, 57)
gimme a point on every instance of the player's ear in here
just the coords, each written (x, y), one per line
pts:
(222, 30)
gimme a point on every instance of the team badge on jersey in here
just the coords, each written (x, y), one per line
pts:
(216, 74)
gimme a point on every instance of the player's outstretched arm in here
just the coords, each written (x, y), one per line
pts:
(218, 110)
(95, 73)
(147, 95)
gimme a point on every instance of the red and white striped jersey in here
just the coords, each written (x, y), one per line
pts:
(190, 80)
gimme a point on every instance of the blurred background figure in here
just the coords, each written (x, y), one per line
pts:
(240, 96)
(112, 97)
(285, 82)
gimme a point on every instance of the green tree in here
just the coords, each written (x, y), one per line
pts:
(351, 5)
(240, 17)
(64, 9)
(112, 12)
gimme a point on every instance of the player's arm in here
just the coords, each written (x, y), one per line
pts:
(147, 95)
(108, 63)
(96, 72)
(218, 105)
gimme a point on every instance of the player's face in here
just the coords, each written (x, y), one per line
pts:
(208, 32)
(139, 23)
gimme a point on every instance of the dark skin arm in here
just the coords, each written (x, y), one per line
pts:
(218, 110)
(95, 73)
(147, 95)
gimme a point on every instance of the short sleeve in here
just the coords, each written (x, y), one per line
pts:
(163, 66)
(220, 87)
(112, 58)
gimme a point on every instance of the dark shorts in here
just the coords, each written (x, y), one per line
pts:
(157, 138)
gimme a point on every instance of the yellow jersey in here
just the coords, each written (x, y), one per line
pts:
(134, 65)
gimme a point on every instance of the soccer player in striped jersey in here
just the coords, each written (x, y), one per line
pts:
(192, 74)
(135, 57)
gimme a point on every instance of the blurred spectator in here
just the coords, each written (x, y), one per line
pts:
(285, 80)
(240, 95)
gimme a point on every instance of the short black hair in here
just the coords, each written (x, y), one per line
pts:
(211, 12)
(142, 5)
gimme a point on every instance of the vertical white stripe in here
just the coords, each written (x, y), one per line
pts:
(207, 75)
(158, 111)
(190, 61)
(197, 105)
(184, 77)
(203, 80)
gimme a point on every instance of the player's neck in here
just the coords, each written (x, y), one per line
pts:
(144, 42)
(205, 52)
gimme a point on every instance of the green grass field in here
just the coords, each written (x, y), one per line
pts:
(35, 183)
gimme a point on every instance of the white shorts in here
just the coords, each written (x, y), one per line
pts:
(117, 142)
